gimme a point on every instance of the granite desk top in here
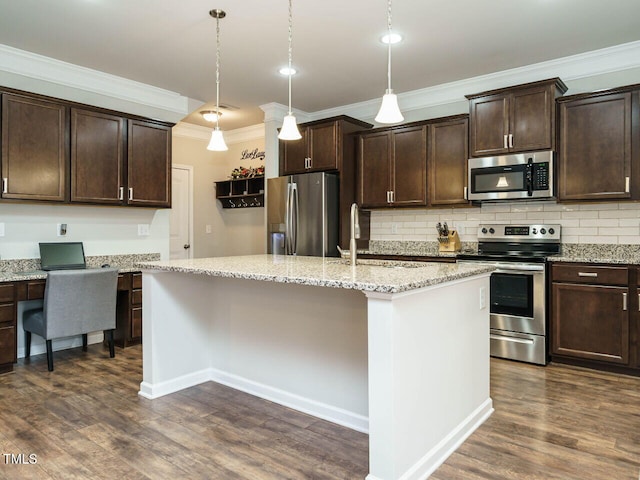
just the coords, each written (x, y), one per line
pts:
(28, 268)
(369, 275)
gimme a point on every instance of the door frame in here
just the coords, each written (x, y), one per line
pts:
(189, 168)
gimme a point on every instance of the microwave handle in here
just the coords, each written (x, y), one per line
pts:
(529, 178)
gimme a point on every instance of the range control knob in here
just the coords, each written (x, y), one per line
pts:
(534, 231)
(551, 231)
(543, 231)
(484, 230)
(492, 231)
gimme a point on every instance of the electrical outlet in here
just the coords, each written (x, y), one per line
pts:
(61, 229)
(394, 228)
(483, 298)
(207, 229)
(2, 229)
(143, 229)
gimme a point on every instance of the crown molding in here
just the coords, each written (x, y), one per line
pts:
(239, 135)
(597, 62)
(276, 112)
(47, 69)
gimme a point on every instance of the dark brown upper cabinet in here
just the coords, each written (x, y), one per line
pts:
(599, 146)
(97, 157)
(447, 161)
(149, 164)
(392, 164)
(320, 148)
(34, 148)
(514, 119)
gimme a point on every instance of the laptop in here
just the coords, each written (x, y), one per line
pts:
(62, 256)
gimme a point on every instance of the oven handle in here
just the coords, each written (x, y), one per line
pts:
(525, 267)
(514, 268)
(527, 341)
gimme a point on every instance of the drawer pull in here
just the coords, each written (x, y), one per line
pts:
(624, 302)
(588, 274)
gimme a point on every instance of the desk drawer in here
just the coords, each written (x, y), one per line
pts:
(136, 297)
(35, 289)
(7, 292)
(124, 281)
(7, 313)
(7, 345)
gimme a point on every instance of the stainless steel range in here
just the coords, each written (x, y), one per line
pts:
(518, 302)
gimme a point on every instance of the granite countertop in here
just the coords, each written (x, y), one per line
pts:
(28, 268)
(599, 253)
(368, 275)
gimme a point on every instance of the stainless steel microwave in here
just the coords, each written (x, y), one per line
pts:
(517, 176)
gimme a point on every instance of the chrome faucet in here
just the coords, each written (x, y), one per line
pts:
(355, 234)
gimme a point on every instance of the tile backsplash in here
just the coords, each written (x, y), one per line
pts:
(600, 223)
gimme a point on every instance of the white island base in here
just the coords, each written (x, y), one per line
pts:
(409, 368)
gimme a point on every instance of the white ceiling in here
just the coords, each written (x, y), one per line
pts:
(171, 43)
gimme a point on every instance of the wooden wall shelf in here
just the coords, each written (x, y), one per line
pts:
(241, 192)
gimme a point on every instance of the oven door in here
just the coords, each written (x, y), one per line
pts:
(517, 300)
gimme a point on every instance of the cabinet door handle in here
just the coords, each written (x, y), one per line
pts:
(588, 274)
(626, 184)
(5, 185)
(309, 162)
(388, 198)
(131, 193)
(465, 193)
(511, 140)
(505, 142)
(393, 196)
(121, 193)
(624, 302)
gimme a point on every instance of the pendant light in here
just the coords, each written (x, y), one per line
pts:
(217, 143)
(289, 130)
(389, 111)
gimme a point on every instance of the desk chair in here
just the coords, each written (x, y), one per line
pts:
(75, 302)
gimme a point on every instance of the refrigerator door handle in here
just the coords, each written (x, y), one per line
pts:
(294, 218)
(287, 222)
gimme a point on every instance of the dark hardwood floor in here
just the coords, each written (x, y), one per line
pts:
(85, 420)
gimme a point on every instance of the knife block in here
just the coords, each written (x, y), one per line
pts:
(450, 243)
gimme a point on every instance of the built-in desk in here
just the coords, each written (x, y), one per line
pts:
(14, 289)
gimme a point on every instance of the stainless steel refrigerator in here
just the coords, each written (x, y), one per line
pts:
(302, 214)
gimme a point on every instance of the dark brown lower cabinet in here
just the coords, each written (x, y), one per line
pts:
(129, 310)
(128, 313)
(8, 343)
(594, 316)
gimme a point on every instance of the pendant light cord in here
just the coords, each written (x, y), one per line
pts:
(217, 72)
(290, 50)
(389, 48)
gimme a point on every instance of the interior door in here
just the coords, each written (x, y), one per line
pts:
(180, 230)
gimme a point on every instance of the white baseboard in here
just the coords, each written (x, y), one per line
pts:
(38, 345)
(156, 390)
(317, 409)
(440, 452)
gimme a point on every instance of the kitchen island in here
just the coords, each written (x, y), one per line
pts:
(398, 350)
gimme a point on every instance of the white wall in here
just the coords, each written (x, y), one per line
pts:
(238, 231)
(104, 230)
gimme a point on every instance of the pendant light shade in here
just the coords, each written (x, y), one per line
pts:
(289, 130)
(217, 143)
(389, 110)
